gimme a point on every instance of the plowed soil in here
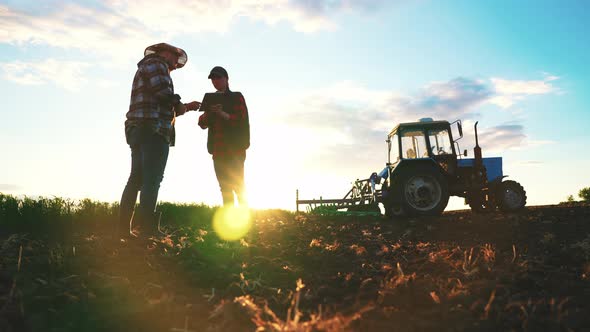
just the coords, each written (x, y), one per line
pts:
(459, 272)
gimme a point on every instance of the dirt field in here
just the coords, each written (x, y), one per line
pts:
(459, 272)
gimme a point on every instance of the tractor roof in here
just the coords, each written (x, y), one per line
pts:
(420, 125)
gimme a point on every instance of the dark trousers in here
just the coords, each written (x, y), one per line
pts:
(148, 160)
(230, 175)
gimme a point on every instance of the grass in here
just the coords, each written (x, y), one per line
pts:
(54, 215)
(46, 214)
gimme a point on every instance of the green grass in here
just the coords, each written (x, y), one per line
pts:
(55, 214)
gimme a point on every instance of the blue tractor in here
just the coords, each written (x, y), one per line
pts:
(425, 167)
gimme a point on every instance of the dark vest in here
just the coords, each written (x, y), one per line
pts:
(236, 137)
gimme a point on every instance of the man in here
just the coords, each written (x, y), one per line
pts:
(228, 137)
(149, 130)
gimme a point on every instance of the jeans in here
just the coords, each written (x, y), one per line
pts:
(230, 175)
(149, 155)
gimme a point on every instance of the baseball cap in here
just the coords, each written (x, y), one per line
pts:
(218, 71)
(182, 57)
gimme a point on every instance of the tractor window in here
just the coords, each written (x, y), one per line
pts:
(394, 149)
(414, 145)
(440, 142)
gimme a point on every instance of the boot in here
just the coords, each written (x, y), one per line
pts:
(123, 228)
(146, 226)
(228, 198)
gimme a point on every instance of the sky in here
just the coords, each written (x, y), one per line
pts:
(325, 81)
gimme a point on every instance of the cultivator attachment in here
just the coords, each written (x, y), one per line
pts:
(362, 198)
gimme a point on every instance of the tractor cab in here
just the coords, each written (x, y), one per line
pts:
(425, 139)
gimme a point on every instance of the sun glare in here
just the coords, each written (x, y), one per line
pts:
(232, 223)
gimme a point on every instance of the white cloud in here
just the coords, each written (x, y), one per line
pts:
(504, 101)
(218, 16)
(508, 92)
(116, 31)
(118, 28)
(516, 87)
(74, 26)
(66, 74)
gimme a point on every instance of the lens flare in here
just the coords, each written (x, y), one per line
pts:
(232, 223)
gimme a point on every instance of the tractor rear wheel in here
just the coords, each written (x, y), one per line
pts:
(510, 196)
(424, 191)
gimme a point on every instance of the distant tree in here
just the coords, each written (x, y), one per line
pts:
(570, 198)
(585, 194)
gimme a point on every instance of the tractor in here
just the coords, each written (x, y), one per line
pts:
(424, 168)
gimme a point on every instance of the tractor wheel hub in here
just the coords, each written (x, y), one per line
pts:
(422, 192)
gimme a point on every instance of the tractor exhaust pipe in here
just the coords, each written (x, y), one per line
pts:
(477, 150)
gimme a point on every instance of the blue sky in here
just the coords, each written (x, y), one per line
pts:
(325, 81)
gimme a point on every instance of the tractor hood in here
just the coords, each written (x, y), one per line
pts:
(493, 166)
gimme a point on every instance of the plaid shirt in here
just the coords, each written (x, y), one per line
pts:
(151, 98)
(220, 142)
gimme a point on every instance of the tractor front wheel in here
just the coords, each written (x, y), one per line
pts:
(510, 196)
(424, 191)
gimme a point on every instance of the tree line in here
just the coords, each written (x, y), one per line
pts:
(584, 194)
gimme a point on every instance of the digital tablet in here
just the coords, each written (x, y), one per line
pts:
(211, 98)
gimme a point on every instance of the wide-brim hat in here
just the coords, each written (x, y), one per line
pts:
(182, 57)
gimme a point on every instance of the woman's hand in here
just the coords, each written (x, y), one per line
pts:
(218, 110)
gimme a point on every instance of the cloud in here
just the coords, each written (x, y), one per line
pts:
(502, 137)
(65, 74)
(345, 125)
(314, 15)
(513, 87)
(456, 98)
(73, 26)
(324, 7)
(352, 107)
(118, 28)
(508, 92)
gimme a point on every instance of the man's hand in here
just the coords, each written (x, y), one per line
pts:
(180, 109)
(193, 106)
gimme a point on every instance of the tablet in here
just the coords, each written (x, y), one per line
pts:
(211, 98)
